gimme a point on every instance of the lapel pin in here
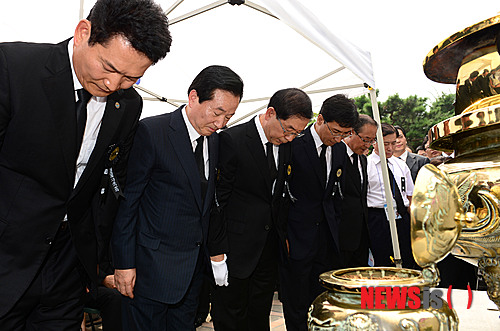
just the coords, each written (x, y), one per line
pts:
(289, 170)
(339, 172)
(117, 105)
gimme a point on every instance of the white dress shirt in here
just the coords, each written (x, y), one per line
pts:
(95, 112)
(403, 156)
(328, 153)
(376, 193)
(264, 141)
(193, 135)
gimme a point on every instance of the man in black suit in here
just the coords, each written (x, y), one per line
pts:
(58, 158)
(312, 229)
(414, 161)
(161, 230)
(251, 198)
(353, 230)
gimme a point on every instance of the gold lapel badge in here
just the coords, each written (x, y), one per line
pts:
(114, 154)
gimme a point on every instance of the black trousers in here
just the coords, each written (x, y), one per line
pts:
(299, 279)
(381, 242)
(245, 305)
(54, 299)
(359, 256)
(141, 313)
(108, 302)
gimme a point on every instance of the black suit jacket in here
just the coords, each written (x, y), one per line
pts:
(38, 155)
(247, 208)
(354, 207)
(314, 202)
(415, 162)
(163, 223)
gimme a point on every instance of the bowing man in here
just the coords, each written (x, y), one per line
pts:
(251, 193)
(312, 229)
(67, 112)
(161, 230)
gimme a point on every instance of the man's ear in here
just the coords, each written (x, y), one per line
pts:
(193, 97)
(320, 120)
(270, 113)
(82, 32)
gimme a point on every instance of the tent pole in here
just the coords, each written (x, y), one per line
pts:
(385, 176)
(158, 97)
(81, 10)
(331, 89)
(302, 87)
(168, 11)
(259, 8)
(198, 11)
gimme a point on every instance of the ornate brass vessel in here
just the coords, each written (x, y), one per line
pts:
(340, 308)
(472, 178)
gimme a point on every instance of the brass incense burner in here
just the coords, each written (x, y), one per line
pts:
(471, 60)
(342, 306)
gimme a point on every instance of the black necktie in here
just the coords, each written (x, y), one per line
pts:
(322, 162)
(400, 205)
(200, 162)
(81, 114)
(356, 167)
(270, 161)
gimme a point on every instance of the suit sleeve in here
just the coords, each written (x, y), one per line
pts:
(227, 166)
(142, 156)
(4, 98)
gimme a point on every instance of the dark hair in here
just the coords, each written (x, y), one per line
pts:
(362, 121)
(216, 78)
(291, 102)
(141, 22)
(397, 127)
(388, 129)
(341, 109)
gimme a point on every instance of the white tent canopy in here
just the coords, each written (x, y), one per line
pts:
(266, 53)
(260, 40)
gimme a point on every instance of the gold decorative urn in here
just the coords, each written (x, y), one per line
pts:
(471, 60)
(359, 299)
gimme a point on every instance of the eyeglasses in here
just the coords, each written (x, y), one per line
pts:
(371, 142)
(290, 133)
(337, 133)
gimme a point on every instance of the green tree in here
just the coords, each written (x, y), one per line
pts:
(412, 113)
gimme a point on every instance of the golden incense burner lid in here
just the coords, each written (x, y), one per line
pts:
(442, 63)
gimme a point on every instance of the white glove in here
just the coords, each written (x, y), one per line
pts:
(220, 272)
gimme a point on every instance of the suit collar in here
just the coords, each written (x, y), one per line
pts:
(411, 160)
(183, 148)
(113, 113)
(61, 103)
(311, 151)
(256, 150)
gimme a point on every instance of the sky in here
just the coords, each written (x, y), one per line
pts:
(398, 34)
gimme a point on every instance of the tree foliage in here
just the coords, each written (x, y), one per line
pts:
(413, 113)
